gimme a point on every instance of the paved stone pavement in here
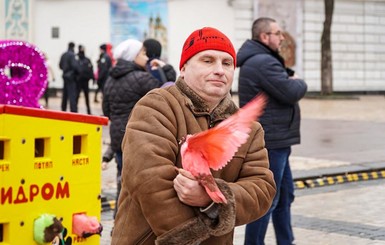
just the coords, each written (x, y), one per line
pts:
(338, 136)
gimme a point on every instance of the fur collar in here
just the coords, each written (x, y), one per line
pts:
(198, 106)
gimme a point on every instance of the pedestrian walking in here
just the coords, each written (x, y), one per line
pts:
(262, 69)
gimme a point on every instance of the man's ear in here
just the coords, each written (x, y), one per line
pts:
(182, 71)
(264, 37)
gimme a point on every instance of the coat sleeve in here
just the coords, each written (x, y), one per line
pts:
(106, 98)
(146, 82)
(108, 155)
(74, 64)
(170, 73)
(150, 151)
(104, 65)
(273, 78)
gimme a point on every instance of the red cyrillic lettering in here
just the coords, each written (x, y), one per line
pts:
(6, 195)
(33, 191)
(47, 191)
(62, 191)
(20, 197)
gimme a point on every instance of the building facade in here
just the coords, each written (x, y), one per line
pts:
(358, 33)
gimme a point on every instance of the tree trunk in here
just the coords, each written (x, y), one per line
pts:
(326, 52)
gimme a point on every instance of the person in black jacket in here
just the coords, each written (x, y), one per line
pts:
(127, 83)
(70, 70)
(104, 65)
(86, 73)
(262, 69)
(153, 52)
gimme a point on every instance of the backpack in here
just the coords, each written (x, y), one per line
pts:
(86, 71)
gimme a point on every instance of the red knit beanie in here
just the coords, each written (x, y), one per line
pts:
(205, 39)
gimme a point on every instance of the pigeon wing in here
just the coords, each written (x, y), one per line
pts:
(219, 144)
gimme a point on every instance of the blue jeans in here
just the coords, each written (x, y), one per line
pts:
(280, 208)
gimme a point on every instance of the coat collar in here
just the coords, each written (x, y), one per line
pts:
(199, 107)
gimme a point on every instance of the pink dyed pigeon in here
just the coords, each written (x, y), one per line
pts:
(213, 148)
(85, 226)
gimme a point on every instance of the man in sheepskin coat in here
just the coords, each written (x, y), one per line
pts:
(159, 205)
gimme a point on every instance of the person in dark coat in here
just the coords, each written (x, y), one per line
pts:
(104, 65)
(86, 73)
(127, 83)
(262, 69)
(154, 51)
(68, 65)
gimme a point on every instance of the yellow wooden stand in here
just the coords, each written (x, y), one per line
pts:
(49, 163)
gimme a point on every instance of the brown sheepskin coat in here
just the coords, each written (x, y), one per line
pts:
(149, 209)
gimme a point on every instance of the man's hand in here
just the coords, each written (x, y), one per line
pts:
(189, 191)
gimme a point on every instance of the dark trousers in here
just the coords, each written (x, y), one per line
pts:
(119, 162)
(82, 85)
(99, 89)
(70, 92)
(46, 95)
(280, 209)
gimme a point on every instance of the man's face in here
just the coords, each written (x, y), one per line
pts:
(210, 74)
(274, 38)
